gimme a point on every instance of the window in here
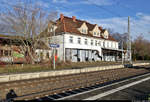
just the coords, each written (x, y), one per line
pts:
(91, 42)
(79, 40)
(6, 52)
(47, 54)
(103, 44)
(1, 52)
(71, 39)
(86, 42)
(95, 42)
(94, 33)
(112, 44)
(84, 31)
(99, 43)
(107, 44)
(116, 45)
(10, 53)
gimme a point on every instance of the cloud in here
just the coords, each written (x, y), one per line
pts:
(113, 23)
(87, 2)
(98, 2)
(120, 24)
(42, 4)
(139, 14)
(67, 12)
(59, 1)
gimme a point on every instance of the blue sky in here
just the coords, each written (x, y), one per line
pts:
(106, 13)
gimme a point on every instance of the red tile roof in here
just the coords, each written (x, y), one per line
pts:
(66, 24)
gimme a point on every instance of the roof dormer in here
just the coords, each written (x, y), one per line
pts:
(105, 34)
(96, 31)
(83, 29)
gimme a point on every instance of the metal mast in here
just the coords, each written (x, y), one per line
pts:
(129, 42)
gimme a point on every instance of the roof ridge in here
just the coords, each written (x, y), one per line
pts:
(82, 21)
(68, 25)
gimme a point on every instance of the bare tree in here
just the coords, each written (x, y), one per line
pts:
(110, 30)
(141, 48)
(121, 38)
(27, 21)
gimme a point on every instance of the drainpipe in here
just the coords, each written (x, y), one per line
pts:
(63, 48)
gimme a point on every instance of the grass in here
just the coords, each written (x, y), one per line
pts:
(22, 68)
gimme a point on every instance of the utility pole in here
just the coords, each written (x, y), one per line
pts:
(122, 52)
(129, 42)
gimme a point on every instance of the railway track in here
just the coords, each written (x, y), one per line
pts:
(55, 87)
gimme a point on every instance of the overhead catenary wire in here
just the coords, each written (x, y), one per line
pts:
(103, 8)
(117, 14)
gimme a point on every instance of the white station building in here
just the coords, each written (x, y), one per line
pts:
(80, 41)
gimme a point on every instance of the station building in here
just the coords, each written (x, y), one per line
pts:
(82, 41)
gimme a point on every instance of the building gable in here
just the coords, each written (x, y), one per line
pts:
(96, 31)
(83, 29)
(105, 34)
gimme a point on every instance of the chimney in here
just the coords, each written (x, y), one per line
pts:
(61, 17)
(74, 18)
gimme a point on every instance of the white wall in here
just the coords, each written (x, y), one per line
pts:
(63, 41)
(110, 44)
(82, 45)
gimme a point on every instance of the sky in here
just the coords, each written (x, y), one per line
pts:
(106, 13)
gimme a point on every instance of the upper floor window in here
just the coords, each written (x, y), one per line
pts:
(95, 42)
(71, 39)
(84, 31)
(99, 43)
(116, 45)
(86, 42)
(91, 42)
(107, 44)
(94, 33)
(79, 40)
(103, 44)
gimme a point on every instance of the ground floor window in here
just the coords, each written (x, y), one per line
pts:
(5, 52)
(47, 55)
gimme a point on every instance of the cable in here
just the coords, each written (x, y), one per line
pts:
(131, 10)
(116, 14)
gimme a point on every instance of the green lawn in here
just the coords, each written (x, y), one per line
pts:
(21, 68)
